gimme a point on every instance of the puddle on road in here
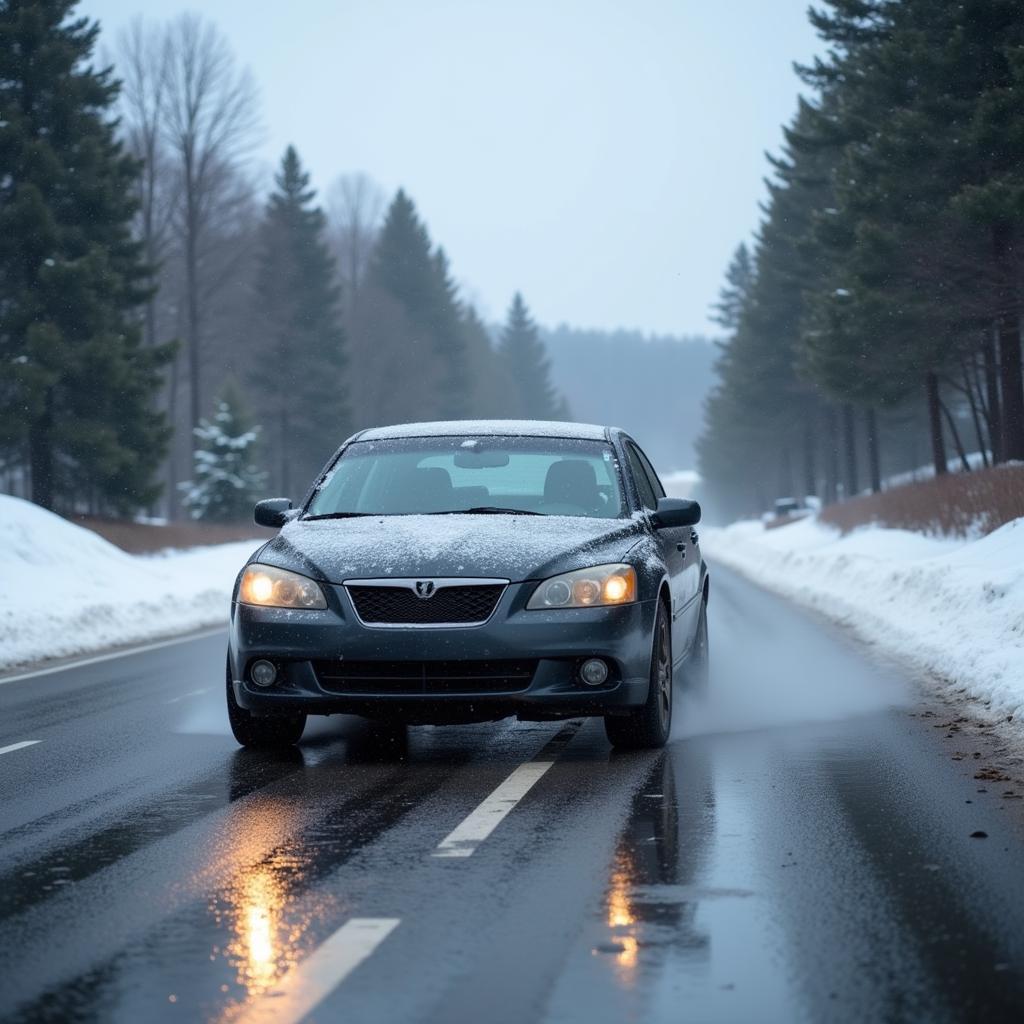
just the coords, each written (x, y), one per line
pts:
(680, 931)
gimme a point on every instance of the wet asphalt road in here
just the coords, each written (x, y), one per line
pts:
(801, 851)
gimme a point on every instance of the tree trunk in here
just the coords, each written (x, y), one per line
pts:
(931, 383)
(285, 481)
(40, 448)
(785, 473)
(172, 447)
(191, 285)
(809, 468)
(975, 398)
(957, 443)
(831, 438)
(993, 411)
(1008, 329)
(850, 482)
(874, 456)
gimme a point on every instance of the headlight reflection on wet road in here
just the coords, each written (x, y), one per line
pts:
(621, 919)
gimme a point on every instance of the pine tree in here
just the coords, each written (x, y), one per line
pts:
(739, 280)
(427, 336)
(450, 341)
(529, 369)
(225, 481)
(298, 370)
(77, 389)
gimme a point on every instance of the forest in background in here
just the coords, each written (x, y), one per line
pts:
(652, 386)
(875, 325)
(179, 340)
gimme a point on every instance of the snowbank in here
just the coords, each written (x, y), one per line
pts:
(952, 608)
(64, 590)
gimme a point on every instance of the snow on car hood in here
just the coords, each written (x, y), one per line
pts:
(504, 547)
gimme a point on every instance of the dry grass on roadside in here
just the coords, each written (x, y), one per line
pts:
(142, 538)
(955, 505)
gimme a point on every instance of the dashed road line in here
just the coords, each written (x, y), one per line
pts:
(18, 746)
(464, 839)
(183, 696)
(304, 987)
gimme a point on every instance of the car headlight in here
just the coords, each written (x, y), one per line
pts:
(585, 588)
(270, 587)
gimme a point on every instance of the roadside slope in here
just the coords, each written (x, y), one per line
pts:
(66, 591)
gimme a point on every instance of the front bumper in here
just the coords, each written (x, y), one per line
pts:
(558, 641)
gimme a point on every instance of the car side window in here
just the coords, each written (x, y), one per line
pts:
(659, 491)
(643, 485)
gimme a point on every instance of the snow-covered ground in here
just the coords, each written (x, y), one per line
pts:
(64, 590)
(953, 608)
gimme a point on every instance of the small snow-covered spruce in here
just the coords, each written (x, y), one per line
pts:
(225, 482)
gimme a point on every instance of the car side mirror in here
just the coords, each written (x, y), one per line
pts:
(272, 512)
(675, 512)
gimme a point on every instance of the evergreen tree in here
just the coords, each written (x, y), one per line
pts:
(77, 389)
(767, 432)
(928, 200)
(739, 280)
(428, 338)
(225, 482)
(527, 364)
(450, 341)
(298, 371)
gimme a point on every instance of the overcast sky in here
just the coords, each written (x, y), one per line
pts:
(602, 156)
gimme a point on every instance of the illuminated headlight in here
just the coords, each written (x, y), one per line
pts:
(585, 588)
(270, 587)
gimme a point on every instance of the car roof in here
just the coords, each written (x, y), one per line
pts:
(487, 428)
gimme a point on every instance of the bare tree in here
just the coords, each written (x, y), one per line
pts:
(210, 125)
(355, 207)
(142, 59)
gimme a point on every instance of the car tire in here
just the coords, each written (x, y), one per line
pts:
(266, 733)
(698, 662)
(649, 726)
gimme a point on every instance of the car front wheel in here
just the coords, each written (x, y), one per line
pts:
(267, 733)
(649, 726)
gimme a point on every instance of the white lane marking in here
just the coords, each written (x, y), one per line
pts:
(68, 666)
(184, 696)
(463, 840)
(19, 746)
(304, 987)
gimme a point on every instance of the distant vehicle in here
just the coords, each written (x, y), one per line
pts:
(470, 571)
(785, 510)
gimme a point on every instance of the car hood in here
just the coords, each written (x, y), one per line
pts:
(498, 546)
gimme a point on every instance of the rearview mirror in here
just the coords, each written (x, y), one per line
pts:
(272, 512)
(675, 512)
(472, 458)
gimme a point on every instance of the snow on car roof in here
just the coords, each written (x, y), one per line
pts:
(487, 428)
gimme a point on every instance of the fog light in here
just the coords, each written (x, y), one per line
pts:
(593, 671)
(263, 673)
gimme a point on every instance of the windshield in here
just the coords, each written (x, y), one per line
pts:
(437, 475)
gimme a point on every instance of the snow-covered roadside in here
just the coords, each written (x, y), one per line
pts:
(953, 608)
(65, 591)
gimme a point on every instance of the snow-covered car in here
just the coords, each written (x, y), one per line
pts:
(470, 571)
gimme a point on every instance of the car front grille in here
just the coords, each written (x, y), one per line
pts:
(424, 677)
(449, 605)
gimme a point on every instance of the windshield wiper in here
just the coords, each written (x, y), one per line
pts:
(486, 510)
(336, 515)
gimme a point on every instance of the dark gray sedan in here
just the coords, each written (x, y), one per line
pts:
(469, 571)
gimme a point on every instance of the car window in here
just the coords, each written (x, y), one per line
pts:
(643, 485)
(409, 476)
(659, 491)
